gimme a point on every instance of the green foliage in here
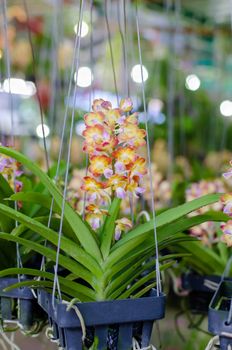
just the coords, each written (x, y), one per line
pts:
(97, 268)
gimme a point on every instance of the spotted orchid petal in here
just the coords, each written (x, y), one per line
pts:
(126, 104)
(99, 163)
(122, 225)
(100, 105)
(94, 118)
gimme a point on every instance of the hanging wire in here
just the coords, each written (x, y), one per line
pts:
(8, 70)
(62, 137)
(54, 74)
(170, 97)
(111, 50)
(158, 279)
(68, 156)
(123, 36)
(125, 43)
(35, 78)
(181, 90)
(91, 95)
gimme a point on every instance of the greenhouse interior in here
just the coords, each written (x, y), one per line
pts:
(115, 174)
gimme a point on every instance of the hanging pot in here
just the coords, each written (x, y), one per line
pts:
(19, 305)
(113, 324)
(220, 322)
(200, 290)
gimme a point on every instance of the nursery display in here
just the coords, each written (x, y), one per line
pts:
(115, 189)
(91, 249)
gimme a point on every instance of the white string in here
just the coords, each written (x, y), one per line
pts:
(136, 346)
(212, 343)
(8, 69)
(91, 96)
(63, 132)
(158, 279)
(4, 347)
(9, 342)
(68, 158)
(54, 52)
(210, 284)
(145, 214)
(111, 49)
(70, 306)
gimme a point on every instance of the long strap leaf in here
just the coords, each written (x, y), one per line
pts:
(109, 227)
(74, 286)
(172, 215)
(79, 227)
(66, 244)
(64, 261)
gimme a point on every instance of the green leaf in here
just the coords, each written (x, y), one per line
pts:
(168, 216)
(84, 293)
(108, 229)
(5, 191)
(144, 280)
(79, 227)
(67, 245)
(5, 187)
(43, 200)
(64, 261)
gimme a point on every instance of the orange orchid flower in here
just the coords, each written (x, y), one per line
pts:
(100, 105)
(118, 184)
(94, 118)
(112, 116)
(100, 164)
(126, 104)
(132, 135)
(138, 167)
(122, 225)
(134, 187)
(98, 138)
(125, 155)
(94, 215)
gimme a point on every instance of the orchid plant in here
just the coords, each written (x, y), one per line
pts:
(103, 255)
(215, 237)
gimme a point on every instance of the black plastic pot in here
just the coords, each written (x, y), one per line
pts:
(200, 295)
(218, 314)
(114, 323)
(18, 304)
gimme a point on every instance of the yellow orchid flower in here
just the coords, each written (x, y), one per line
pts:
(126, 104)
(134, 187)
(118, 184)
(125, 155)
(94, 118)
(112, 116)
(100, 164)
(94, 215)
(138, 167)
(227, 232)
(100, 105)
(132, 135)
(98, 138)
(122, 225)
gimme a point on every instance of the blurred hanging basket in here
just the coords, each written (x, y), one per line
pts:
(220, 310)
(200, 290)
(108, 325)
(19, 305)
